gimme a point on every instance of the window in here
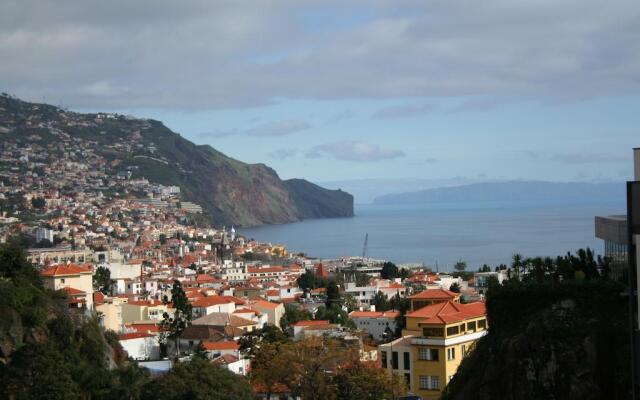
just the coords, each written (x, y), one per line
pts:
(62, 280)
(471, 326)
(429, 382)
(407, 377)
(439, 332)
(407, 362)
(453, 330)
(463, 350)
(482, 324)
(394, 360)
(383, 355)
(451, 353)
(426, 354)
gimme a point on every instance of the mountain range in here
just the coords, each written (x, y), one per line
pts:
(539, 191)
(230, 191)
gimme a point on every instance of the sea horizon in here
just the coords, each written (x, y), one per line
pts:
(439, 234)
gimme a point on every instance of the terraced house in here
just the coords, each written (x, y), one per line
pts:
(436, 339)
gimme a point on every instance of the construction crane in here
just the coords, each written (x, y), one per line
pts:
(365, 246)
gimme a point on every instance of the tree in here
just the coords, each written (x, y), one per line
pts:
(176, 324)
(307, 280)
(362, 279)
(271, 367)
(38, 203)
(251, 341)
(163, 238)
(389, 271)
(333, 294)
(460, 266)
(380, 301)
(517, 264)
(455, 287)
(198, 379)
(293, 314)
(102, 280)
(361, 380)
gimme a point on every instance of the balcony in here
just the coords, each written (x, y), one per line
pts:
(435, 341)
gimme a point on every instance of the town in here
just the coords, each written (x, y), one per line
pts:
(120, 248)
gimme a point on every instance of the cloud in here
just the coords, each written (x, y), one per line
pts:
(405, 110)
(200, 54)
(585, 158)
(282, 154)
(279, 128)
(353, 151)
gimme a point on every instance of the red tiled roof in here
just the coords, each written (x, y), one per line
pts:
(227, 345)
(145, 328)
(98, 298)
(205, 278)
(374, 314)
(215, 300)
(318, 322)
(430, 294)
(265, 304)
(449, 312)
(134, 335)
(394, 285)
(68, 269)
(73, 291)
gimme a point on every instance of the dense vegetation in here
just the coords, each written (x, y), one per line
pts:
(319, 369)
(48, 351)
(558, 332)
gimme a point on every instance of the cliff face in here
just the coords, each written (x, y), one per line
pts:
(230, 191)
(567, 342)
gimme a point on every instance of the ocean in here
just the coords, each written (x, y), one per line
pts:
(441, 234)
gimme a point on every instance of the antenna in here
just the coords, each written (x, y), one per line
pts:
(365, 246)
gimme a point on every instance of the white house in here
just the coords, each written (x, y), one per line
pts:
(375, 323)
(140, 345)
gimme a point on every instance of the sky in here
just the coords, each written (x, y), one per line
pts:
(545, 89)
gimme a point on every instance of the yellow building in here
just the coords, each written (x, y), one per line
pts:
(437, 337)
(144, 310)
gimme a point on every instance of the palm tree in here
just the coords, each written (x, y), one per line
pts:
(516, 264)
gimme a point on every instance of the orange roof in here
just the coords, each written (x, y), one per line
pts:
(430, 294)
(228, 345)
(145, 328)
(394, 285)
(205, 278)
(265, 304)
(66, 269)
(98, 298)
(273, 292)
(134, 335)
(73, 291)
(374, 314)
(312, 322)
(215, 300)
(449, 312)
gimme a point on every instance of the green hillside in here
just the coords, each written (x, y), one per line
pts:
(230, 191)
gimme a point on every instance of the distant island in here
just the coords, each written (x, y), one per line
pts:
(228, 191)
(512, 191)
